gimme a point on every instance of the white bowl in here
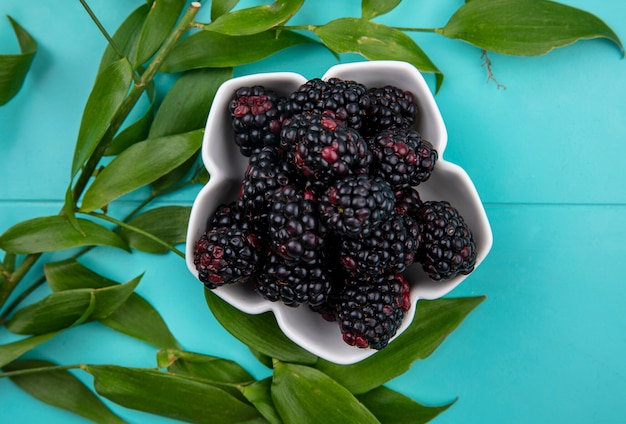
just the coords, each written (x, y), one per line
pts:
(226, 166)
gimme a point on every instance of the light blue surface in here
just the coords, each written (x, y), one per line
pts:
(546, 155)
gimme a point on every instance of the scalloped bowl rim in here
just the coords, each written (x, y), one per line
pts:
(225, 165)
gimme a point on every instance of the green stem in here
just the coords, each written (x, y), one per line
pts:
(435, 30)
(104, 32)
(38, 370)
(183, 25)
(138, 231)
(21, 297)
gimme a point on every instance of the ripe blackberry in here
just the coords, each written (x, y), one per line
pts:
(389, 107)
(323, 148)
(402, 157)
(304, 283)
(355, 205)
(230, 215)
(345, 100)
(369, 314)
(226, 256)
(447, 246)
(381, 252)
(294, 227)
(408, 200)
(267, 171)
(257, 116)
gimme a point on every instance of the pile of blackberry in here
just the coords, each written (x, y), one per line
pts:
(329, 215)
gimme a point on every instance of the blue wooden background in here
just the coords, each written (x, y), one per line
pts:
(547, 155)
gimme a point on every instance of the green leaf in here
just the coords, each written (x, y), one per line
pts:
(375, 42)
(227, 51)
(220, 7)
(254, 20)
(169, 395)
(14, 67)
(169, 223)
(11, 351)
(204, 367)
(135, 317)
(137, 131)
(140, 164)
(52, 233)
(225, 374)
(108, 93)
(524, 27)
(391, 407)
(260, 395)
(60, 310)
(186, 105)
(158, 24)
(185, 108)
(372, 8)
(260, 332)
(303, 395)
(62, 389)
(126, 38)
(433, 321)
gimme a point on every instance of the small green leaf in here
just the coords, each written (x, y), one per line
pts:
(524, 27)
(260, 395)
(14, 67)
(186, 105)
(227, 375)
(169, 395)
(372, 8)
(60, 310)
(260, 332)
(185, 108)
(391, 407)
(137, 131)
(220, 7)
(107, 94)
(52, 233)
(140, 164)
(253, 20)
(203, 367)
(375, 42)
(304, 395)
(135, 317)
(158, 24)
(433, 321)
(227, 51)
(11, 351)
(126, 38)
(62, 389)
(169, 223)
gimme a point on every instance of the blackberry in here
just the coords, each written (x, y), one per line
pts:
(226, 256)
(323, 148)
(369, 314)
(402, 157)
(381, 252)
(294, 227)
(267, 171)
(355, 205)
(389, 107)
(257, 117)
(304, 283)
(447, 246)
(408, 200)
(345, 100)
(230, 215)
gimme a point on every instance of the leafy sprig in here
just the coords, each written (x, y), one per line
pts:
(159, 150)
